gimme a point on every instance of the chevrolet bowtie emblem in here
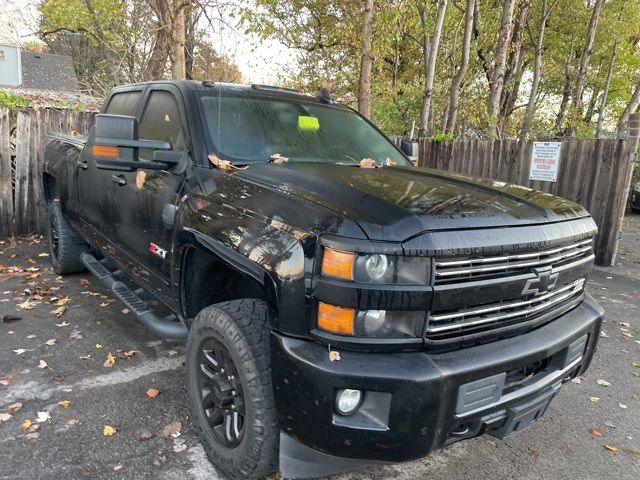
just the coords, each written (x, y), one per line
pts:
(545, 280)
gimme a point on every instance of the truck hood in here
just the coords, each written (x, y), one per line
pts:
(394, 203)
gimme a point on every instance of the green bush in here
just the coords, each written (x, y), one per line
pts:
(12, 100)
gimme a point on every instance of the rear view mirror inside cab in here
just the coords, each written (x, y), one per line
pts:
(308, 124)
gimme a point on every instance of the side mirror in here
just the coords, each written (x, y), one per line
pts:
(116, 144)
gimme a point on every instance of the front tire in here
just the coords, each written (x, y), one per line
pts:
(65, 245)
(229, 388)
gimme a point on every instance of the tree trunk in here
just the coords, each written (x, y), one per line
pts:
(630, 109)
(566, 92)
(535, 83)
(514, 65)
(366, 61)
(430, 51)
(584, 58)
(500, 59)
(178, 30)
(595, 94)
(458, 78)
(605, 93)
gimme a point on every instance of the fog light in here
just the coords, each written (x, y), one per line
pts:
(348, 400)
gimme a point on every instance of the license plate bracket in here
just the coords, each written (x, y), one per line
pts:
(522, 416)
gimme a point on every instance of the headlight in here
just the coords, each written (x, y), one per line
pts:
(375, 267)
(370, 323)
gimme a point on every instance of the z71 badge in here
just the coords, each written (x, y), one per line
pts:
(156, 250)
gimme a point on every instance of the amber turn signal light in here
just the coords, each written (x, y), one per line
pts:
(335, 319)
(338, 264)
(105, 151)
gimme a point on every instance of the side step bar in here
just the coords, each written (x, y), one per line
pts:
(166, 327)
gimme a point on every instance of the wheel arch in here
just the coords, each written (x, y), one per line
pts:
(234, 275)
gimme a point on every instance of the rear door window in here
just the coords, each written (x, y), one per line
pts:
(161, 121)
(123, 103)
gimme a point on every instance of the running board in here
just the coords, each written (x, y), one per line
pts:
(166, 327)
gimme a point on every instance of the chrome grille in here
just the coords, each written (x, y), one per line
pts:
(497, 315)
(460, 270)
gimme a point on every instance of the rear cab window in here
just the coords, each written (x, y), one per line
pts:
(123, 103)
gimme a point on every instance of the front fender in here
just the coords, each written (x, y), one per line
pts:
(268, 252)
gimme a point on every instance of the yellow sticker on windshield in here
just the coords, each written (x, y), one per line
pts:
(308, 124)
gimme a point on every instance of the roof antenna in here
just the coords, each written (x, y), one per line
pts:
(324, 95)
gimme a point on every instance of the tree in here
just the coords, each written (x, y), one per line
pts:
(209, 65)
(430, 53)
(458, 78)
(497, 75)
(584, 58)
(535, 82)
(366, 61)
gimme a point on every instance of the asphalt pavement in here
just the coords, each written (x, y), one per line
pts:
(87, 392)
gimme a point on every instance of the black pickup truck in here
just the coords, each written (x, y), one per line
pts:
(341, 307)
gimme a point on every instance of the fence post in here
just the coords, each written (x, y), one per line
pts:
(6, 189)
(633, 136)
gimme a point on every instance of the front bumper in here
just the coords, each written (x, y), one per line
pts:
(421, 401)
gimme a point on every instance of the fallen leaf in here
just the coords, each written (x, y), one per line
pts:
(535, 453)
(32, 435)
(625, 324)
(19, 351)
(594, 399)
(334, 356)
(170, 429)
(63, 301)
(43, 254)
(31, 336)
(153, 392)
(63, 324)
(98, 345)
(623, 406)
(43, 417)
(110, 361)
(26, 424)
(42, 364)
(127, 354)
(10, 318)
(633, 453)
(627, 334)
(612, 448)
(179, 445)
(577, 380)
(609, 424)
(27, 305)
(104, 304)
(31, 261)
(146, 436)
(85, 357)
(604, 334)
(109, 431)
(60, 311)
(50, 342)
(84, 281)
(14, 407)
(5, 416)
(117, 468)
(71, 423)
(604, 383)
(64, 403)
(596, 432)
(159, 460)
(636, 364)
(567, 450)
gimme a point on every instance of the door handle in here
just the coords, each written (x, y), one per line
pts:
(119, 179)
(82, 165)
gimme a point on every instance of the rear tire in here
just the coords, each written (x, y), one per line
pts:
(229, 388)
(65, 245)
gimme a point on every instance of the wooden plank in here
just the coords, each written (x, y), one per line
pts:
(6, 176)
(23, 151)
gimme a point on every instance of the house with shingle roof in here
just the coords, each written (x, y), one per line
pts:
(39, 71)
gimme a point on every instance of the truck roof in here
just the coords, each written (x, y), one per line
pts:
(195, 85)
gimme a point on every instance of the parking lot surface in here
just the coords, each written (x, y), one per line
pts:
(87, 392)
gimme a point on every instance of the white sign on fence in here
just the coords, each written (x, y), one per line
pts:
(545, 158)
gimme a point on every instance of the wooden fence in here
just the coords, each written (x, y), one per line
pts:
(21, 140)
(594, 173)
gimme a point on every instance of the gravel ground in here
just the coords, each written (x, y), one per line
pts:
(46, 360)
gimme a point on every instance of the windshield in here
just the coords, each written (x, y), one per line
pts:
(244, 128)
